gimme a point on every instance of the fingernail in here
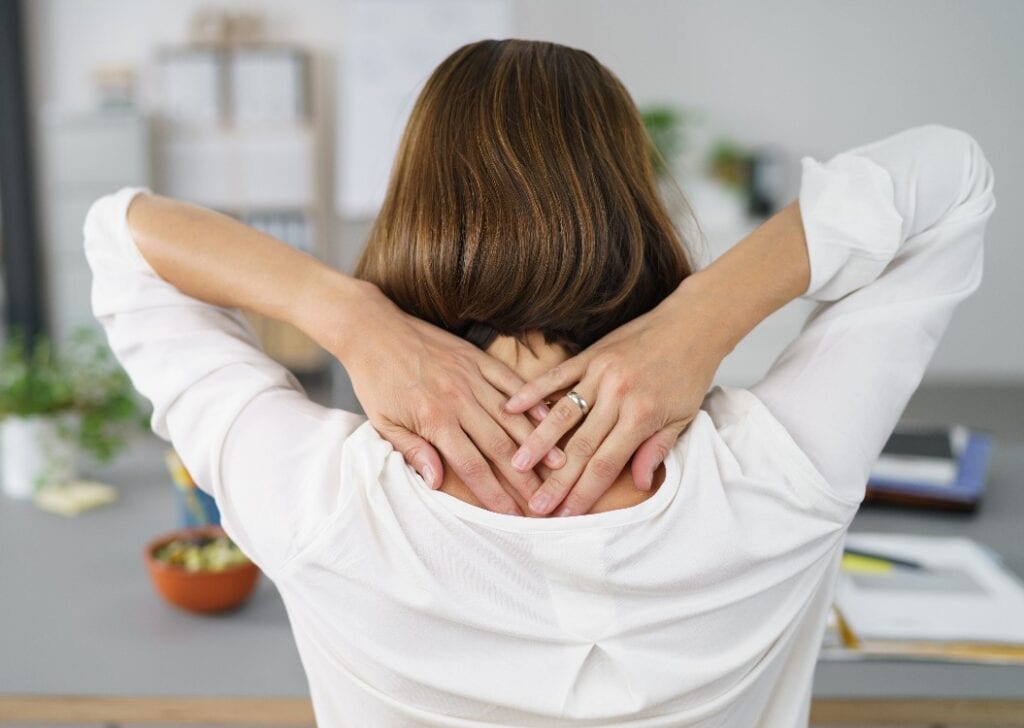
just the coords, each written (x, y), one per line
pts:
(428, 475)
(514, 402)
(540, 502)
(539, 412)
(555, 457)
(511, 511)
(650, 479)
(564, 511)
(521, 460)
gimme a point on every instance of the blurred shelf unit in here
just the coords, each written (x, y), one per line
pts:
(83, 156)
(236, 132)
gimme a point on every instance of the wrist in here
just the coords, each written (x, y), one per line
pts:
(752, 280)
(329, 307)
(701, 305)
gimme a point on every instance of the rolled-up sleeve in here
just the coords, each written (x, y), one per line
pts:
(848, 213)
(239, 420)
(894, 234)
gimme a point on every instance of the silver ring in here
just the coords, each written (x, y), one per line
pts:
(579, 401)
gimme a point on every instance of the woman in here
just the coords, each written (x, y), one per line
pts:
(522, 216)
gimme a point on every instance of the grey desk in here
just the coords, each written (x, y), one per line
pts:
(83, 637)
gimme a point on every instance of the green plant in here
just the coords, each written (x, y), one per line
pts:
(664, 125)
(32, 381)
(730, 164)
(85, 382)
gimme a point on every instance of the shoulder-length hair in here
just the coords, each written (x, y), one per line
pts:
(523, 198)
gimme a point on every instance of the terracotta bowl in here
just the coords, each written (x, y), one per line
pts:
(199, 591)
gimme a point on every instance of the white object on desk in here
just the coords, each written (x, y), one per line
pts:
(78, 496)
(927, 469)
(962, 596)
(33, 452)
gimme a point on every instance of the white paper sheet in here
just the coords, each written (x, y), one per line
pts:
(971, 598)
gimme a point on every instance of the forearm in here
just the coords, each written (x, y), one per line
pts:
(753, 279)
(216, 259)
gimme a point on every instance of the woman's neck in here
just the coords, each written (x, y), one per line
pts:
(529, 358)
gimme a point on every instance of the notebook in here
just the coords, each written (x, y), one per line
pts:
(926, 456)
(937, 468)
(962, 604)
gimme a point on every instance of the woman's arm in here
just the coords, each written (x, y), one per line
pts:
(889, 266)
(239, 420)
(409, 376)
(887, 236)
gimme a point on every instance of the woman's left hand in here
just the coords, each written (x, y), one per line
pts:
(420, 385)
(643, 382)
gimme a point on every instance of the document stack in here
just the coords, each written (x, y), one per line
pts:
(931, 598)
(932, 468)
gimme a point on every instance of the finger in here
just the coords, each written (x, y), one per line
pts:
(538, 413)
(417, 452)
(651, 454)
(469, 465)
(499, 374)
(563, 417)
(601, 471)
(582, 446)
(559, 377)
(517, 426)
(498, 447)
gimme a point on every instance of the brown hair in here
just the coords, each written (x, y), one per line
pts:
(523, 198)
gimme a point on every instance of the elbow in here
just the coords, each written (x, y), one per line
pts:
(959, 159)
(968, 181)
(979, 179)
(951, 176)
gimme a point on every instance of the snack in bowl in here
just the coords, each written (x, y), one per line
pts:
(200, 569)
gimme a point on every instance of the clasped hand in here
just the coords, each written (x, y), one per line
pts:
(437, 398)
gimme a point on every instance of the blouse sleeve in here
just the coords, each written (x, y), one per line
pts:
(240, 422)
(894, 234)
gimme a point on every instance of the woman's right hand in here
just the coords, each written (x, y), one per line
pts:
(424, 388)
(673, 349)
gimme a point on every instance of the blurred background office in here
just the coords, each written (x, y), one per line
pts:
(287, 116)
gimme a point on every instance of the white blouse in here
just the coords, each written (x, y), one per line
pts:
(701, 606)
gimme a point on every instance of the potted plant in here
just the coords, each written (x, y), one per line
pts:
(52, 407)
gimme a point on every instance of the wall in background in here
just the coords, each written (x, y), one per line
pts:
(68, 39)
(805, 77)
(815, 78)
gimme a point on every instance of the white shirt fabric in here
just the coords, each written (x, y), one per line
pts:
(701, 606)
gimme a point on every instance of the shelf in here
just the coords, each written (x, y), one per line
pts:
(237, 168)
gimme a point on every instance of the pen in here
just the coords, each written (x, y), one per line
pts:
(895, 561)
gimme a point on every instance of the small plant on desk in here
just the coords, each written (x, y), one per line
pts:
(55, 406)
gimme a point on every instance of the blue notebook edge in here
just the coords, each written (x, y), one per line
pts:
(972, 471)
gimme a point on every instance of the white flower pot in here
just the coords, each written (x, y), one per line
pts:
(33, 453)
